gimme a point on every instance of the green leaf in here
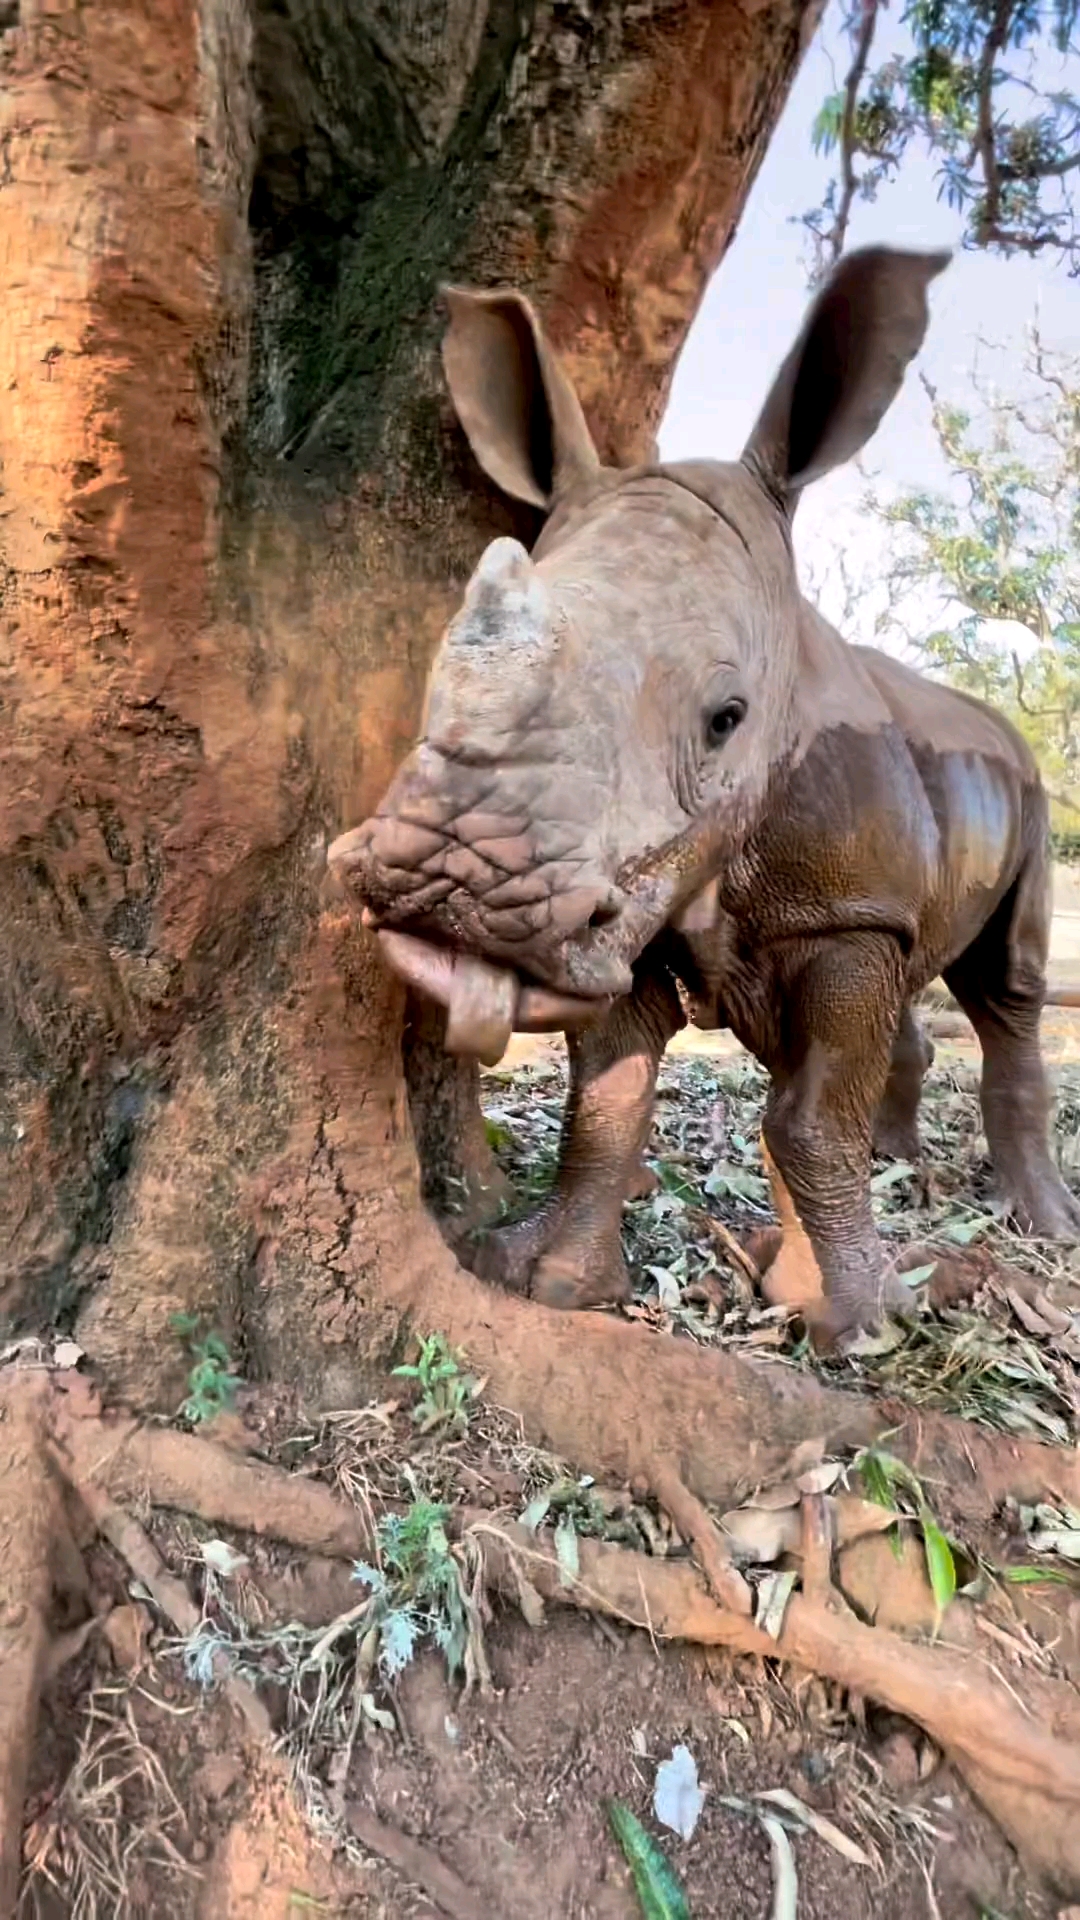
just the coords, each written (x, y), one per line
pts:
(876, 1480)
(891, 1176)
(659, 1894)
(914, 1276)
(940, 1564)
(1035, 1576)
(828, 120)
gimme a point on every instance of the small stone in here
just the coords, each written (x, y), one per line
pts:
(125, 1630)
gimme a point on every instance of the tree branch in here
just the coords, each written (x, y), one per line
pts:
(833, 242)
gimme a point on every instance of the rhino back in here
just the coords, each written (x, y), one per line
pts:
(906, 806)
(943, 718)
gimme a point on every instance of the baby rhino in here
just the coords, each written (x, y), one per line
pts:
(653, 780)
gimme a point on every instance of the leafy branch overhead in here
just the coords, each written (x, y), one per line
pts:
(974, 84)
(1001, 545)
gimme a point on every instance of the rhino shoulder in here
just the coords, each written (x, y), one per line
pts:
(944, 718)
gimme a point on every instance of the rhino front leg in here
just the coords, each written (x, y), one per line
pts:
(829, 1074)
(568, 1254)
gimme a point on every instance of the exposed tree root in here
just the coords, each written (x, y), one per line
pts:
(1020, 1752)
(1020, 1756)
(31, 1519)
(617, 1397)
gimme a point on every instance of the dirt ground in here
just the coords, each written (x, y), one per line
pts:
(146, 1799)
(165, 1814)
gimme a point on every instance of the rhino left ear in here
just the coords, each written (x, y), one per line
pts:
(520, 412)
(845, 369)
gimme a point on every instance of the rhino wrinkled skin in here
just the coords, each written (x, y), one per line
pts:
(652, 778)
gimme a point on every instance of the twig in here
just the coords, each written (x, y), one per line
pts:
(817, 1548)
(416, 1863)
(849, 184)
(700, 1531)
(737, 1254)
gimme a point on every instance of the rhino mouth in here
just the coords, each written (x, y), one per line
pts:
(484, 1003)
(490, 991)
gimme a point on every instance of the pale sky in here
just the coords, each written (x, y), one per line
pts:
(754, 306)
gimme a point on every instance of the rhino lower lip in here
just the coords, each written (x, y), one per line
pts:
(484, 1004)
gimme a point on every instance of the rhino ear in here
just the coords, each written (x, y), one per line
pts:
(517, 406)
(845, 369)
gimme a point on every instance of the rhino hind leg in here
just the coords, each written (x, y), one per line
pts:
(569, 1254)
(1000, 982)
(896, 1125)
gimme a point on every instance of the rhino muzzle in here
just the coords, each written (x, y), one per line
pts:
(501, 941)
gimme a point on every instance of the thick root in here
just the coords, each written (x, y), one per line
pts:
(31, 1521)
(1020, 1754)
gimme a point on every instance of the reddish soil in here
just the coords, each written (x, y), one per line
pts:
(508, 1790)
(511, 1791)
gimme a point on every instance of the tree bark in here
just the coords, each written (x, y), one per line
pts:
(237, 512)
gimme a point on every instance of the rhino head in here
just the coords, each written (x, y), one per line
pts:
(605, 715)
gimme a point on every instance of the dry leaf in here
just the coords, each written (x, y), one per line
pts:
(854, 1517)
(784, 1493)
(819, 1479)
(760, 1536)
(817, 1823)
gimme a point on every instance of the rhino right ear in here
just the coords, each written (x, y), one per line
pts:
(517, 406)
(845, 369)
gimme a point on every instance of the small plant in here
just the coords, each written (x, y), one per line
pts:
(416, 1594)
(445, 1390)
(211, 1383)
(886, 1480)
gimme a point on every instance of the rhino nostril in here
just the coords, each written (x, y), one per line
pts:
(604, 916)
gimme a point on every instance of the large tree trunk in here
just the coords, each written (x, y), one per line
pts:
(236, 513)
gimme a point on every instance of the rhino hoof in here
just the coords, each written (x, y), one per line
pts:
(568, 1286)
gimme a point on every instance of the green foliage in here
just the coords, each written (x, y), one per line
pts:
(1002, 545)
(445, 1391)
(963, 86)
(211, 1383)
(659, 1893)
(890, 1483)
(416, 1593)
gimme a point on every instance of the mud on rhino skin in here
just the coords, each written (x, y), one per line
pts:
(652, 780)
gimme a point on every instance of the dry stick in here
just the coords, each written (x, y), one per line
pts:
(418, 1863)
(438, 1882)
(169, 1593)
(817, 1546)
(724, 1236)
(699, 1530)
(30, 1520)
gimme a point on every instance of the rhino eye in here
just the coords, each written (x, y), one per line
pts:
(722, 723)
